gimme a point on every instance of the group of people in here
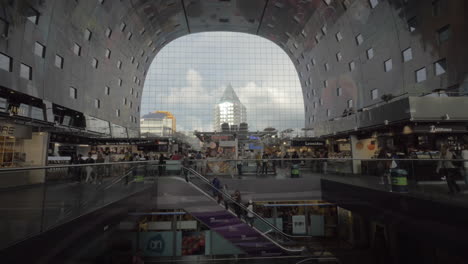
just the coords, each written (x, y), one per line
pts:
(222, 194)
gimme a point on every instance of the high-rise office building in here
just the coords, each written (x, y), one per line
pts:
(158, 124)
(229, 110)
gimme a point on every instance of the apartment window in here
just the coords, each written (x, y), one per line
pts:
(350, 103)
(138, 65)
(373, 3)
(108, 53)
(137, 93)
(440, 67)
(321, 101)
(359, 39)
(374, 94)
(339, 37)
(106, 90)
(325, 84)
(32, 15)
(87, 34)
(94, 63)
(308, 67)
(39, 49)
(25, 72)
(142, 32)
(313, 92)
(313, 61)
(119, 82)
(101, 1)
(352, 66)
(444, 34)
(304, 33)
(328, 112)
(123, 26)
(108, 32)
(119, 64)
(412, 24)
(339, 91)
(77, 49)
(327, 66)
(421, 75)
(125, 101)
(370, 53)
(129, 35)
(73, 93)
(327, 2)
(117, 112)
(407, 55)
(338, 56)
(58, 61)
(132, 59)
(314, 105)
(388, 65)
(146, 59)
(97, 103)
(6, 63)
(132, 90)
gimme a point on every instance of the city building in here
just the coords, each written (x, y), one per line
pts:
(229, 110)
(158, 124)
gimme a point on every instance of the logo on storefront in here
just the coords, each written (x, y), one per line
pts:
(7, 130)
(156, 244)
(434, 129)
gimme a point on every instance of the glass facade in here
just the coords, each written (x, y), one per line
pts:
(189, 76)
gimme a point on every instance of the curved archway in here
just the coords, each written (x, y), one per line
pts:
(189, 75)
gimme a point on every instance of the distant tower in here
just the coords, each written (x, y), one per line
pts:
(229, 109)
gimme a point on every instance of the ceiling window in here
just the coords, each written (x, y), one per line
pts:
(407, 55)
(39, 50)
(6, 63)
(421, 75)
(73, 93)
(440, 67)
(58, 61)
(388, 65)
(339, 37)
(370, 53)
(87, 34)
(32, 15)
(108, 53)
(339, 56)
(123, 26)
(108, 32)
(374, 94)
(77, 49)
(94, 63)
(359, 39)
(339, 91)
(412, 24)
(444, 33)
(25, 71)
(97, 103)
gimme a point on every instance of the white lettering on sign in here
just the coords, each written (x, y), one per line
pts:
(434, 129)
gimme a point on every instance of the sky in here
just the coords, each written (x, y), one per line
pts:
(188, 76)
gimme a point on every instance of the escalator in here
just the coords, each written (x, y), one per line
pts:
(261, 239)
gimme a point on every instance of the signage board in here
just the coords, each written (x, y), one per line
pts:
(439, 129)
(307, 143)
(299, 225)
(12, 130)
(228, 143)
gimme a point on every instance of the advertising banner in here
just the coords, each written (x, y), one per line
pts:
(193, 243)
(156, 244)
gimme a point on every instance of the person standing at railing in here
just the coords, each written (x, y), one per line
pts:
(89, 169)
(448, 170)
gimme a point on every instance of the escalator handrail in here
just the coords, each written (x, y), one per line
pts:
(242, 206)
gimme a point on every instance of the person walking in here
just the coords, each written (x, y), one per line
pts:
(217, 185)
(162, 164)
(265, 163)
(226, 192)
(258, 160)
(448, 169)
